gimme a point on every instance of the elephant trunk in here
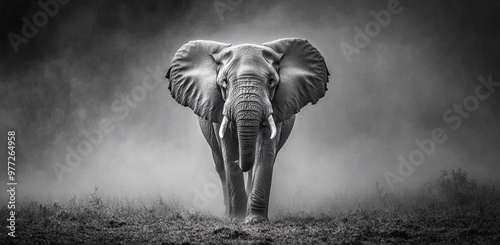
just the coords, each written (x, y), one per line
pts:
(247, 107)
(247, 125)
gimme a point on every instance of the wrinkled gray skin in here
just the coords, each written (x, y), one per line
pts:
(246, 97)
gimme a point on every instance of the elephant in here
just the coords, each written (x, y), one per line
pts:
(246, 97)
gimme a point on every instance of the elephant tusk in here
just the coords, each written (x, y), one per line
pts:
(272, 126)
(223, 127)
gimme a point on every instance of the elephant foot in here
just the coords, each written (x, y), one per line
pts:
(235, 219)
(256, 219)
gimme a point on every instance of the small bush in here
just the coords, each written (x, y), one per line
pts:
(457, 187)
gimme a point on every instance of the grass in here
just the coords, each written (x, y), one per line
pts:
(452, 209)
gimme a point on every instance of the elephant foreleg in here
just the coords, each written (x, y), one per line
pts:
(237, 197)
(234, 182)
(249, 181)
(258, 200)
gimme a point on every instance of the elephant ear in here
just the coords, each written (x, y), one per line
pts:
(303, 76)
(193, 79)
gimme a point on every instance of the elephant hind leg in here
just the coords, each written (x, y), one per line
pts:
(222, 175)
(219, 167)
(207, 128)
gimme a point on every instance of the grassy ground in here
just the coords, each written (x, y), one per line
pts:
(448, 211)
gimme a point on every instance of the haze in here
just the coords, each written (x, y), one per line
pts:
(77, 69)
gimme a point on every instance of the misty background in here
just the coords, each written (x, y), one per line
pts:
(91, 54)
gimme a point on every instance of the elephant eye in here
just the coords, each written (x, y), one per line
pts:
(224, 82)
(271, 81)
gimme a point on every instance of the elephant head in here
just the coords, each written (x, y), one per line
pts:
(247, 85)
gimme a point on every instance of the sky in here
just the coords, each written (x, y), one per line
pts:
(89, 76)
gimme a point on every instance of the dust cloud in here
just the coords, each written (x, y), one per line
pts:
(97, 69)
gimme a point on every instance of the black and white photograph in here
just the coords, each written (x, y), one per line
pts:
(250, 122)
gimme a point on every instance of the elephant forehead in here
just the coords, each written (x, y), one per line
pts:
(247, 46)
(246, 58)
(246, 50)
